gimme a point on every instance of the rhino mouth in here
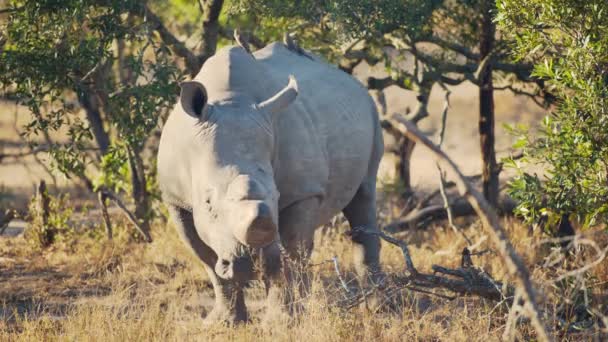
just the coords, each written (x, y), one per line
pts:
(239, 269)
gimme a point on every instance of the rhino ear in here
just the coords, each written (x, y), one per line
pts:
(282, 99)
(193, 98)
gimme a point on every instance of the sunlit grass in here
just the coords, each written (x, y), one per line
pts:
(123, 291)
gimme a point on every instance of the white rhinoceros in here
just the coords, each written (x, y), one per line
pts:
(245, 162)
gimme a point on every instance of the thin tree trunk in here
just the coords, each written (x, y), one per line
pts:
(211, 10)
(47, 233)
(102, 198)
(406, 149)
(89, 101)
(140, 193)
(486, 107)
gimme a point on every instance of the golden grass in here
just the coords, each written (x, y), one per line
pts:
(90, 290)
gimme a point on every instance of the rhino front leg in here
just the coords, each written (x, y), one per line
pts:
(229, 304)
(296, 228)
(361, 212)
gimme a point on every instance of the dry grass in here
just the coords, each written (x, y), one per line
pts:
(86, 290)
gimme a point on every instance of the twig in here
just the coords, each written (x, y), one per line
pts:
(511, 259)
(342, 282)
(444, 196)
(404, 248)
(577, 240)
(509, 333)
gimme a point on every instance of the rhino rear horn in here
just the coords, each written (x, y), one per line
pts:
(193, 98)
(282, 99)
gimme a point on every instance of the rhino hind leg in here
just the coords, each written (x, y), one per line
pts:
(229, 306)
(361, 212)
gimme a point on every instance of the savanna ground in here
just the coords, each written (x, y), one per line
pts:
(86, 288)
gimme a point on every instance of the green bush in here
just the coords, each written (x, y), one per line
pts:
(568, 42)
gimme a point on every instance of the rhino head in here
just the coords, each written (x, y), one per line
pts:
(234, 196)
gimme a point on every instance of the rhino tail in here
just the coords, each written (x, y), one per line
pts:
(241, 40)
(294, 47)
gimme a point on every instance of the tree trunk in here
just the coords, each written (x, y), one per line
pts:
(102, 198)
(406, 149)
(46, 236)
(486, 107)
(89, 101)
(211, 10)
(140, 193)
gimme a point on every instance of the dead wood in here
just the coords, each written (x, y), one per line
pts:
(466, 280)
(513, 262)
(435, 212)
(424, 215)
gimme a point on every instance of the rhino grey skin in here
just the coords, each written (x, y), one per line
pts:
(238, 138)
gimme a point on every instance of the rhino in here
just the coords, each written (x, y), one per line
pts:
(249, 167)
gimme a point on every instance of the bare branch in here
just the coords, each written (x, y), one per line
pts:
(36, 150)
(522, 71)
(444, 196)
(177, 46)
(536, 97)
(111, 195)
(463, 50)
(425, 214)
(337, 269)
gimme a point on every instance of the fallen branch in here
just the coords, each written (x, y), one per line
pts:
(459, 208)
(425, 201)
(465, 280)
(513, 262)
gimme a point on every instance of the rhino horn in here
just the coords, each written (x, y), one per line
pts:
(282, 99)
(193, 98)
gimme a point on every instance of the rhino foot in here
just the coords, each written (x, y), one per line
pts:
(224, 315)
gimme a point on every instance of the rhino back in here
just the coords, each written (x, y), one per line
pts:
(327, 139)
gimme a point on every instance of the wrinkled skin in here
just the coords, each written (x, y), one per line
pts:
(246, 163)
